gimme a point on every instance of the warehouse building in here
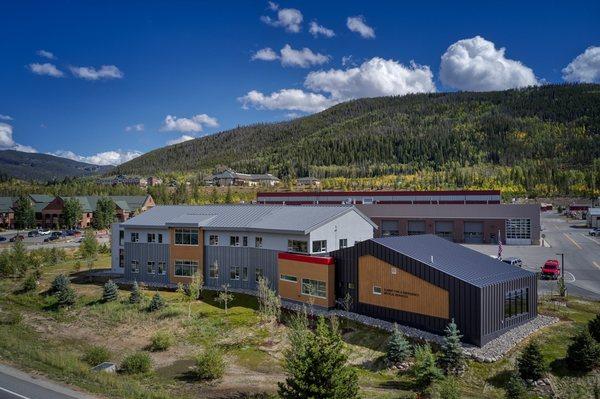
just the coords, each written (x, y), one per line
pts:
(473, 217)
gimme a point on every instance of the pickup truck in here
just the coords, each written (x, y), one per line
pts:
(551, 269)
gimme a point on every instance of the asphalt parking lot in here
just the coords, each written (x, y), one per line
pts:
(581, 252)
(38, 242)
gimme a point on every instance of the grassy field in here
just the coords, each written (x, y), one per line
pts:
(35, 336)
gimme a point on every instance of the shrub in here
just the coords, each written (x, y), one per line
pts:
(66, 297)
(209, 365)
(30, 283)
(156, 303)
(425, 370)
(110, 292)
(136, 294)
(452, 360)
(531, 364)
(594, 327)
(59, 283)
(447, 388)
(161, 341)
(136, 363)
(398, 347)
(583, 353)
(95, 355)
(515, 386)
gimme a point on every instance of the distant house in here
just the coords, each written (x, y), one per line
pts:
(232, 178)
(127, 181)
(7, 213)
(154, 181)
(308, 182)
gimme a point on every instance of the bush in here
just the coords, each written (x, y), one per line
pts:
(110, 292)
(95, 355)
(515, 386)
(30, 283)
(583, 354)
(161, 340)
(209, 365)
(398, 347)
(136, 363)
(156, 303)
(447, 388)
(136, 294)
(452, 360)
(59, 283)
(425, 370)
(531, 364)
(66, 297)
(594, 327)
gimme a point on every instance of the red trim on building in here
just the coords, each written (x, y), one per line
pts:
(374, 193)
(321, 260)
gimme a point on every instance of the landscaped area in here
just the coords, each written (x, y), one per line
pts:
(64, 342)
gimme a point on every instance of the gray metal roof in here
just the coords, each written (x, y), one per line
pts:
(297, 219)
(454, 259)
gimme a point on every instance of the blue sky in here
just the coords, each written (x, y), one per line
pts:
(105, 81)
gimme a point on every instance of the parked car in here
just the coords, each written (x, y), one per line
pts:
(45, 232)
(51, 238)
(57, 234)
(2, 238)
(551, 269)
(18, 237)
(595, 232)
(513, 261)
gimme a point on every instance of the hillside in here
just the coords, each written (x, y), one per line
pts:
(542, 130)
(43, 167)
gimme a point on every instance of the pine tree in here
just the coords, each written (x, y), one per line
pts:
(156, 303)
(583, 353)
(19, 258)
(316, 364)
(269, 303)
(66, 297)
(110, 292)
(228, 196)
(425, 370)
(30, 283)
(136, 295)
(452, 360)
(515, 386)
(59, 283)
(594, 327)
(531, 364)
(398, 347)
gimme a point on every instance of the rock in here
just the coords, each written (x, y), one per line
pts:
(105, 367)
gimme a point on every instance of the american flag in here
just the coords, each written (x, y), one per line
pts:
(499, 245)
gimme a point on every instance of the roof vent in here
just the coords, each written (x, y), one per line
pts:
(431, 258)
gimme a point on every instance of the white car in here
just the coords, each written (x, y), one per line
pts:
(45, 232)
(595, 232)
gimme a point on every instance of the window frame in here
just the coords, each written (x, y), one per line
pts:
(135, 269)
(181, 232)
(161, 269)
(151, 237)
(234, 273)
(288, 278)
(293, 246)
(376, 290)
(258, 272)
(244, 241)
(150, 269)
(344, 241)
(307, 282)
(136, 235)
(245, 273)
(185, 264)
(321, 245)
(213, 240)
(258, 242)
(235, 240)
(213, 270)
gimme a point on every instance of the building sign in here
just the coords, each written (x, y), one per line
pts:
(399, 293)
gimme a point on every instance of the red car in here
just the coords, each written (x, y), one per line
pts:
(551, 269)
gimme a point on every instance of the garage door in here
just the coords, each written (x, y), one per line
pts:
(416, 227)
(444, 230)
(473, 232)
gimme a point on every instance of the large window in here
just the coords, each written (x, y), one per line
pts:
(186, 236)
(150, 268)
(234, 241)
(389, 228)
(314, 288)
(135, 237)
(135, 266)
(213, 270)
(319, 246)
(234, 272)
(213, 239)
(518, 229)
(185, 268)
(298, 246)
(516, 303)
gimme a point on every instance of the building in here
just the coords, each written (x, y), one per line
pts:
(474, 217)
(154, 181)
(7, 213)
(593, 217)
(232, 178)
(308, 182)
(125, 180)
(230, 244)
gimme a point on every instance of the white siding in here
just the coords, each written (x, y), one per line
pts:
(277, 242)
(114, 248)
(143, 234)
(350, 226)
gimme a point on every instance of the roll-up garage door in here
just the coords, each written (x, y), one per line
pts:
(389, 228)
(445, 230)
(416, 227)
(473, 232)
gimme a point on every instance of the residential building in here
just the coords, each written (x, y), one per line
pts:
(7, 213)
(475, 217)
(593, 217)
(232, 178)
(154, 181)
(308, 182)
(125, 180)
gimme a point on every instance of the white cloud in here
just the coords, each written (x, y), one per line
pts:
(293, 115)
(46, 69)
(287, 99)
(6, 117)
(348, 60)
(181, 139)
(475, 64)
(265, 54)
(115, 157)
(91, 73)
(139, 127)
(186, 125)
(316, 30)
(358, 24)
(288, 18)
(45, 54)
(584, 68)
(8, 143)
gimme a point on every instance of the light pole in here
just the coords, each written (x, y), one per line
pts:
(563, 286)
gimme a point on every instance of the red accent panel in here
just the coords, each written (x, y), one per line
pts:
(320, 260)
(374, 193)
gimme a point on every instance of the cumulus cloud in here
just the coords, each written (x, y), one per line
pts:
(316, 30)
(584, 68)
(180, 139)
(359, 25)
(288, 18)
(475, 64)
(288, 56)
(286, 99)
(6, 117)
(8, 143)
(115, 157)
(46, 69)
(91, 73)
(185, 125)
(139, 127)
(45, 54)
(265, 54)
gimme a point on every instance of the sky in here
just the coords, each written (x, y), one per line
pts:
(104, 82)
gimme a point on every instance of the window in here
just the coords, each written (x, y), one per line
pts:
(234, 241)
(516, 303)
(343, 243)
(376, 290)
(287, 277)
(185, 268)
(213, 239)
(150, 269)
(135, 266)
(121, 258)
(368, 201)
(351, 286)
(245, 241)
(394, 270)
(245, 273)
(151, 237)
(258, 242)
(160, 238)
(389, 228)
(135, 237)
(161, 268)
(258, 273)
(416, 227)
(234, 272)
(314, 288)
(298, 246)
(186, 236)
(121, 237)
(519, 229)
(319, 246)
(213, 270)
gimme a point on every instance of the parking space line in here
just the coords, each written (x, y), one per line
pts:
(596, 264)
(590, 238)
(572, 240)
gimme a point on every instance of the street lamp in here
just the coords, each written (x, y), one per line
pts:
(563, 286)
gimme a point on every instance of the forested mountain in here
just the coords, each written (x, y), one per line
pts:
(44, 167)
(546, 135)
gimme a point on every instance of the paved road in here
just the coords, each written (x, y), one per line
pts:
(582, 255)
(15, 384)
(38, 242)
